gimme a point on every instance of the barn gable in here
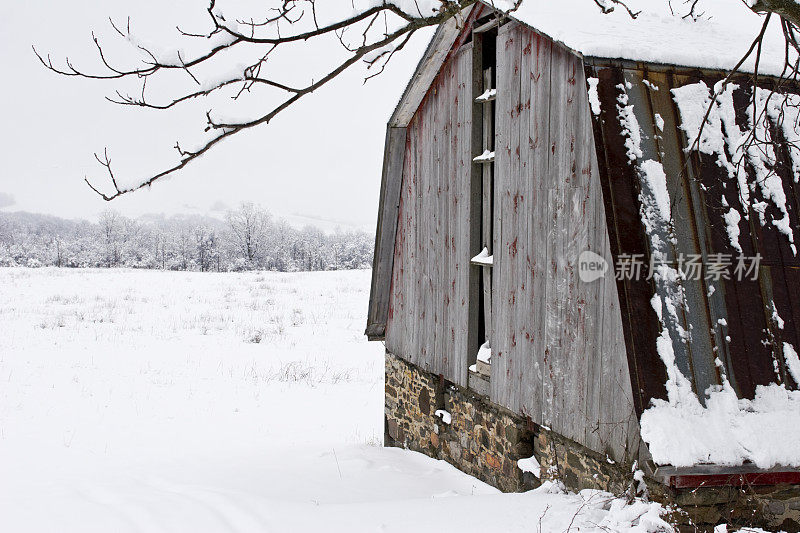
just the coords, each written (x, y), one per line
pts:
(432, 319)
(558, 353)
(438, 51)
(590, 156)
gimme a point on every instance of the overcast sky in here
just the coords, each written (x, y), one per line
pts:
(321, 159)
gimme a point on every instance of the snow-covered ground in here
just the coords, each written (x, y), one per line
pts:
(161, 401)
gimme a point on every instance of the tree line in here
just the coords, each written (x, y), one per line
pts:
(248, 238)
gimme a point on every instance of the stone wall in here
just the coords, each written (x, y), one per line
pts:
(775, 508)
(486, 440)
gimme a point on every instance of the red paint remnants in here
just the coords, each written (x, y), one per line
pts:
(734, 480)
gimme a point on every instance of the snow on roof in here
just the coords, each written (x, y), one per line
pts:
(719, 38)
(717, 41)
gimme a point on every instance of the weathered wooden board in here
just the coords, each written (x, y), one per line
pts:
(536, 257)
(559, 353)
(385, 235)
(502, 360)
(430, 65)
(428, 308)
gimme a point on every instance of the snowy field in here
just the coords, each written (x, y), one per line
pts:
(167, 402)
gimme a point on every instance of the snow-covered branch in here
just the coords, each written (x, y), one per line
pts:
(372, 35)
(369, 32)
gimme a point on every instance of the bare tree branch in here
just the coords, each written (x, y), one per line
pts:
(224, 35)
(374, 36)
(607, 6)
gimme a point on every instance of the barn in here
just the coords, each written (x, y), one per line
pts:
(585, 270)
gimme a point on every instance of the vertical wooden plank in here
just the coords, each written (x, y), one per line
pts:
(538, 151)
(452, 308)
(458, 149)
(575, 366)
(507, 183)
(439, 253)
(391, 185)
(403, 292)
(422, 276)
(459, 279)
(513, 214)
(521, 209)
(456, 361)
(410, 184)
(571, 381)
(397, 328)
(465, 277)
(417, 265)
(500, 369)
(430, 214)
(550, 315)
(429, 175)
(591, 339)
(558, 290)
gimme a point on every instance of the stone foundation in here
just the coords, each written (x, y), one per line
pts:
(486, 440)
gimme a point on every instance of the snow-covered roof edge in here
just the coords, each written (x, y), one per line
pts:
(652, 38)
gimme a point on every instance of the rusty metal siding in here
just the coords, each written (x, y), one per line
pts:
(428, 307)
(732, 321)
(621, 188)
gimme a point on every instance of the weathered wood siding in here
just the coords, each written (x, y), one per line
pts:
(394, 153)
(428, 305)
(558, 354)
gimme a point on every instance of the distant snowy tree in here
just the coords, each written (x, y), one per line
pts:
(185, 256)
(111, 233)
(248, 226)
(207, 246)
